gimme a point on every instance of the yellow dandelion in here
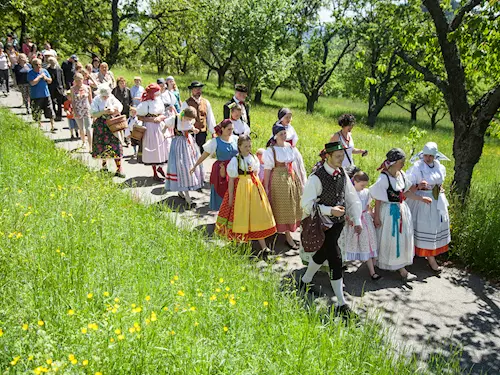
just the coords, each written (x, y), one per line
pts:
(49, 361)
(136, 325)
(243, 288)
(133, 305)
(147, 321)
(25, 327)
(98, 373)
(85, 362)
(148, 298)
(19, 235)
(106, 294)
(131, 329)
(90, 295)
(20, 191)
(118, 331)
(172, 333)
(41, 323)
(58, 251)
(172, 282)
(15, 360)
(266, 303)
(180, 293)
(137, 310)
(200, 294)
(218, 290)
(63, 213)
(226, 329)
(120, 337)
(153, 317)
(165, 308)
(117, 300)
(71, 357)
(52, 195)
(83, 330)
(71, 312)
(213, 297)
(27, 214)
(30, 358)
(70, 214)
(114, 310)
(196, 324)
(93, 326)
(1, 332)
(232, 302)
(74, 362)
(227, 289)
(111, 340)
(176, 277)
(192, 308)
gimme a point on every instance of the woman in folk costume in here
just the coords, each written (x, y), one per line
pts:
(344, 136)
(245, 213)
(330, 189)
(392, 217)
(431, 223)
(284, 178)
(285, 119)
(224, 146)
(155, 149)
(181, 175)
(105, 143)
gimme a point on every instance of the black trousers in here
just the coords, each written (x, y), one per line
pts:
(201, 139)
(4, 79)
(330, 251)
(57, 103)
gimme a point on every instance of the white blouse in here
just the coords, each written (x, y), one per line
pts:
(240, 127)
(314, 188)
(133, 121)
(364, 197)
(182, 125)
(378, 190)
(420, 171)
(98, 104)
(286, 154)
(248, 163)
(153, 107)
(211, 145)
(348, 147)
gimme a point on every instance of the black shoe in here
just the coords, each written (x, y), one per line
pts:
(119, 174)
(346, 313)
(375, 277)
(72, 137)
(77, 135)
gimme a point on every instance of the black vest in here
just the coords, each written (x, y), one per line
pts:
(333, 190)
(393, 195)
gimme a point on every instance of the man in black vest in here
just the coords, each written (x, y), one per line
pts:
(240, 95)
(69, 69)
(331, 185)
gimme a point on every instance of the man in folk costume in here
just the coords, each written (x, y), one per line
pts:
(204, 115)
(330, 191)
(240, 95)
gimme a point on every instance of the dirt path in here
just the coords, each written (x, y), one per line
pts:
(430, 315)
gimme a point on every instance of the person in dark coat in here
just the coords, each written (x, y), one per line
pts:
(123, 94)
(56, 87)
(69, 69)
(240, 95)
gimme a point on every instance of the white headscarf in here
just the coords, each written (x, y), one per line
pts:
(430, 148)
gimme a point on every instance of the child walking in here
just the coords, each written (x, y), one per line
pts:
(361, 246)
(239, 126)
(132, 120)
(68, 108)
(245, 213)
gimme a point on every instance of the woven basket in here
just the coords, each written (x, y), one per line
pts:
(138, 132)
(117, 123)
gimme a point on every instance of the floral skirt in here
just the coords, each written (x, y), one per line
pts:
(250, 217)
(286, 191)
(104, 144)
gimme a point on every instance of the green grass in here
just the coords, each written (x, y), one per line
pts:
(87, 274)
(474, 243)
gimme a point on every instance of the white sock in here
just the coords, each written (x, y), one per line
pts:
(181, 194)
(338, 289)
(187, 197)
(312, 268)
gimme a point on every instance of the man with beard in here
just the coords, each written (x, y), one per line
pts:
(240, 95)
(205, 116)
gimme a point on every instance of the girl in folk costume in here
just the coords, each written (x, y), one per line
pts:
(392, 217)
(133, 120)
(239, 127)
(431, 223)
(245, 213)
(106, 144)
(284, 178)
(361, 246)
(285, 119)
(329, 191)
(344, 136)
(181, 175)
(225, 146)
(155, 149)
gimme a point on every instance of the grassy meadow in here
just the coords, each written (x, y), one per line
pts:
(95, 283)
(475, 228)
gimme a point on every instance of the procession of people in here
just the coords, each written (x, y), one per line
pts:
(256, 193)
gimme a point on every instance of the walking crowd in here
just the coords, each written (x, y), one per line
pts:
(342, 218)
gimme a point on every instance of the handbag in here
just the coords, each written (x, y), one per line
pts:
(312, 235)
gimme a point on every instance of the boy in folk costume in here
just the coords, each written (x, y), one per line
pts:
(329, 187)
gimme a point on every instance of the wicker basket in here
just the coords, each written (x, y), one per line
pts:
(138, 132)
(117, 123)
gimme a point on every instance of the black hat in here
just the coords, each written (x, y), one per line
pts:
(240, 87)
(195, 84)
(333, 146)
(160, 81)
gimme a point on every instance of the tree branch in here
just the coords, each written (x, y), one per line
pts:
(426, 72)
(487, 106)
(348, 48)
(457, 20)
(401, 106)
(438, 16)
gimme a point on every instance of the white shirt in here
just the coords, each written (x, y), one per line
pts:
(420, 171)
(378, 190)
(244, 115)
(168, 98)
(182, 125)
(240, 127)
(248, 163)
(314, 188)
(211, 145)
(152, 107)
(98, 104)
(286, 154)
(210, 115)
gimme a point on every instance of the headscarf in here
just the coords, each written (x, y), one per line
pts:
(430, 148)
(276, 129)
(149, 93)
(391, 158)
(221, 125)
(283, 112)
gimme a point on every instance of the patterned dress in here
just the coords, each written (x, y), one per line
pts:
(104, 143)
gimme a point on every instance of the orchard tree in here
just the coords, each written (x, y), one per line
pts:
(457, 50)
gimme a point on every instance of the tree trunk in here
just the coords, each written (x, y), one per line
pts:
(115, 37)
(372, 107)
(221, 73)
(23, 28)
(258, 97)
(413, 112)
(208, 74)
(312, 98)
(274, 91)
(433, 119)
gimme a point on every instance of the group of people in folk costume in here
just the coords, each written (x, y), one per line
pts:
(259, 195)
